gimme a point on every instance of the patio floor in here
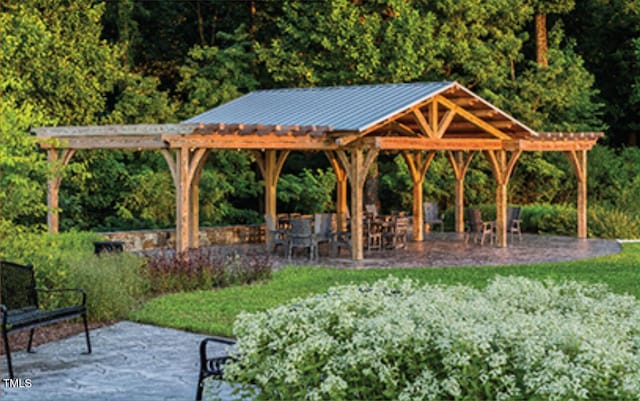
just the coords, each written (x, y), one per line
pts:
(139, 362)
(440, 249)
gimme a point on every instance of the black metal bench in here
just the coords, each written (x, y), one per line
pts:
(211, 366)
(20, 309)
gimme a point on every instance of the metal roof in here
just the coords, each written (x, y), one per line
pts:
(344, 108)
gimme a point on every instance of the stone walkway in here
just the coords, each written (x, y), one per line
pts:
(130, 361)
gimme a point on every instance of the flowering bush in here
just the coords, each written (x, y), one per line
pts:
(515, 339)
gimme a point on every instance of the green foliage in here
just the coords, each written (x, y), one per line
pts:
(613, 223)
(307, 192)
(214, 312)
(515, 339)
(114, 284)
(213, 75)
(549, 219)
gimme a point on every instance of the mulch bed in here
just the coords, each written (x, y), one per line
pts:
(18, 341)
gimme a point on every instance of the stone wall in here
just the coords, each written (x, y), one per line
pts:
(156, 239)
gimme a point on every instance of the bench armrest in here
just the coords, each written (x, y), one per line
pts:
(79, 290)
(213, 366)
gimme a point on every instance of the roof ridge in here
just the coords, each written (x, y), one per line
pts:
(351, 87)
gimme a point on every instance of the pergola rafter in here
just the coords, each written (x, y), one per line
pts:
(351, 125)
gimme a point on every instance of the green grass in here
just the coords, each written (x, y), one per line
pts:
(214, 311)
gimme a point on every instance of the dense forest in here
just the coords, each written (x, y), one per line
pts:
(559, 65)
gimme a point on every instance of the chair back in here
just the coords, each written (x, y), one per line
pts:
(430, 210)
(371, 209)
(474, 218)
(324, 225)
(301, 232)
(513, 213)
(18, 287)
(401, 225)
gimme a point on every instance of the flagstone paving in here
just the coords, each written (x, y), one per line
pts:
(130, 361)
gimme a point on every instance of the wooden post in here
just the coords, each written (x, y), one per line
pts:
(186, 169)
(53, 186)
(502, 169)
(341, 190)
(357, 166)
(417, 169)
(270, 164)
(578, 159)
(460, 165)
(182, 200)
(198, 161)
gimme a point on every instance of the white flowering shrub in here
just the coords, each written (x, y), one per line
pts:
(515, 339)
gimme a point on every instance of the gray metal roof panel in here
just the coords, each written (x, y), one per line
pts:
(344, 108)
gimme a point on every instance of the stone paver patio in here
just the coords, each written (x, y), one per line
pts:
(132, 361)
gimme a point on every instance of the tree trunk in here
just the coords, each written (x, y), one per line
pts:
(541, 39)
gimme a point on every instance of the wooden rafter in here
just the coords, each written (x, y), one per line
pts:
(469, 116)
(425, 128)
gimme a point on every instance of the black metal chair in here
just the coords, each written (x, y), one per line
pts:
(20, 308)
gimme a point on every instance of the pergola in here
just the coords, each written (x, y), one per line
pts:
(351, 125)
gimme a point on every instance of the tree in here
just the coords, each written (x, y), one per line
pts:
(542, 9)
(605, 31)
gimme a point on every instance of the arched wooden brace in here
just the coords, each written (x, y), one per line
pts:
(578, 159)
(57, 159)
(460, 164)
(341, 189)
(186, 167)
(270, 164)
(502, 169)
(417, 169)
(357, 164)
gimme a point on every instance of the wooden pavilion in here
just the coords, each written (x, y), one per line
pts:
(351, 125)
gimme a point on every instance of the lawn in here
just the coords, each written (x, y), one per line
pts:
(213, 312)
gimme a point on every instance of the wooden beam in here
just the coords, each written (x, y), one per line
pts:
(251, 142)
(425, 128)
(57, 160)
(433, 116)
(578, 161)
(341, 190)
(403, 129)
(466, 126)
(404, 143)
(417, 169)
(469, 116)
(460, 164)
(445, 123)
(502, 169)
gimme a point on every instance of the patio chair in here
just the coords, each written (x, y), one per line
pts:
(275, 236)
(339, 240)
(513, 222)
(397, 237)
(301, 236)
(324, 225)
(371, 209)
(431, 216)
(479, 228)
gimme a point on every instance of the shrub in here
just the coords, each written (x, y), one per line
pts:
(549, 219)
(613, 223)
(204, 268)
(515, 339)
(66, 260)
